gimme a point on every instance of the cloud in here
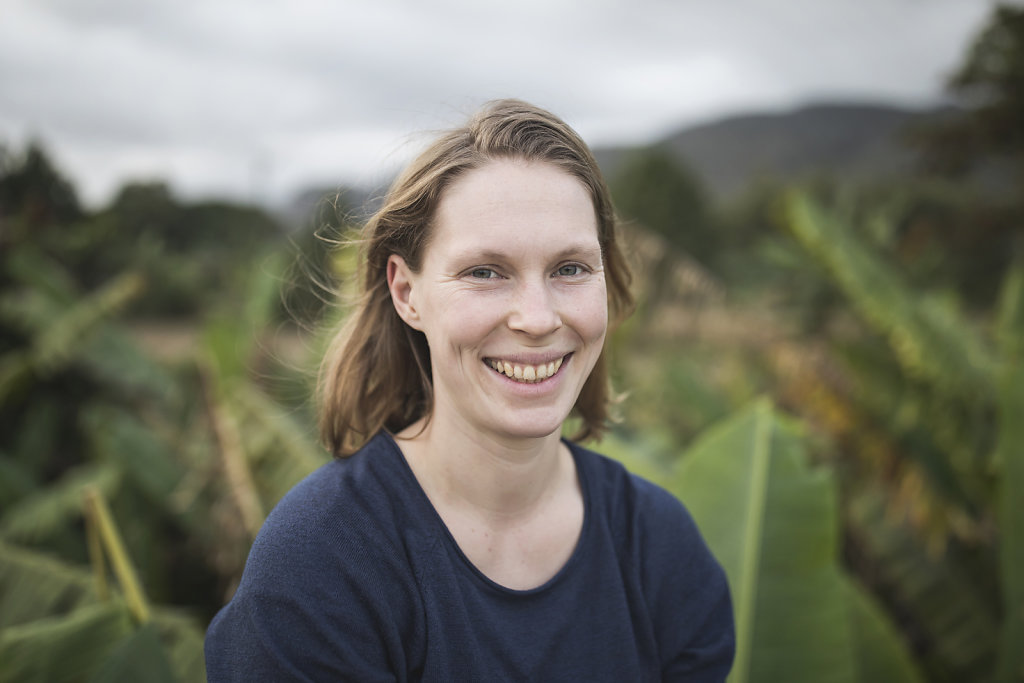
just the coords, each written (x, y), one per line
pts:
(214, 94)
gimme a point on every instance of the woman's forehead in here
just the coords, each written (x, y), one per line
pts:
(511, 200)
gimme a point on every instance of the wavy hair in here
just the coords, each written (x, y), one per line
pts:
(376, 373)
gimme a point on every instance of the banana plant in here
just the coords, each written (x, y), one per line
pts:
(1010, 460)
(959, 398)
(773, 523)
(61, 623)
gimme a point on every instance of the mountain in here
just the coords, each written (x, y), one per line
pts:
(855, 141)
(851, 141)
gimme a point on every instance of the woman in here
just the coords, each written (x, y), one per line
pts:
(458, 537)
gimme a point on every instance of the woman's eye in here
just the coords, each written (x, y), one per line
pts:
(570, 270)
(482, 273)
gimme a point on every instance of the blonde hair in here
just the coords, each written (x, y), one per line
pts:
(376, 373)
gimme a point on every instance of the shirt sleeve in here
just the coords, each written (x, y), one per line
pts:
(316, 602)
(688, 596)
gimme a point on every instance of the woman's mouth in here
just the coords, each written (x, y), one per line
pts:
(525, 372)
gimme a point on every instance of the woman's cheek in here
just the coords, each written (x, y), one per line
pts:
(590, 313)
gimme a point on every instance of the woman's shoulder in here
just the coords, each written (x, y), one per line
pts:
(346, 506)
(327, 587)
(629, 495)
(684, 587)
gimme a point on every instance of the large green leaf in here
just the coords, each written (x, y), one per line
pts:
(45, 602)
(65, 648)
(59, 341)
(37, 271)
(97, 643)
(134, 447)
(34, 585)
(119, 364)
(139, 658)
(772, 522)
(881, 654)
(1010, 456)
(56, 506)
(1011, 518)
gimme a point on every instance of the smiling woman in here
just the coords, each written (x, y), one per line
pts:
(513, 275)
(458, 536)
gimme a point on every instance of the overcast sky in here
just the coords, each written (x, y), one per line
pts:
(261, 98)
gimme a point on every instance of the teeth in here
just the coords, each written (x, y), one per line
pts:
(527, 373)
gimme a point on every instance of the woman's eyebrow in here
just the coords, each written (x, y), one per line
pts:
(586, 250)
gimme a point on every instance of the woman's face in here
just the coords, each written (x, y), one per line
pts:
(511, 297)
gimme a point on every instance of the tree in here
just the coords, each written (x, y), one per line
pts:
(989, 86)
(32, 190)
(656, 190)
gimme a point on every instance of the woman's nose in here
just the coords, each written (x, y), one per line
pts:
(534, 311)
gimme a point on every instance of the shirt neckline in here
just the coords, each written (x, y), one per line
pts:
(438, 524)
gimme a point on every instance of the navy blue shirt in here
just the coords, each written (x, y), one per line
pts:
(355, 577)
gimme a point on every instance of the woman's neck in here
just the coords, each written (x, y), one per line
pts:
(502, 480)
(514, 507)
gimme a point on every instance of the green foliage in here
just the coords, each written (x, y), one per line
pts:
(879, 647)
(773, 523)
(53, 627)
(43, 512)
(34, 191)
(138, 657)
(34, 586)
(926, 334)
(947, 368)
(1010, 457)
(989, 84)
(991, 80)
(958, 374)
(86, 408)
(653, 189)
(774, 526)
(939, 598)
(67, 648)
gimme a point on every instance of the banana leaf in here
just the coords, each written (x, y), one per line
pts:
(1010, 458)
(70, 647)
(773, 524)
(138, 658)
(49, 609)
(932, 341)
(940, 598)
(59, 505)
(34, 585)
(877, 643)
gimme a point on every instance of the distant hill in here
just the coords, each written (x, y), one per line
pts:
(858, 141)
(854, 141)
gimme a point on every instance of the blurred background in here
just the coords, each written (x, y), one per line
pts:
(822, 201)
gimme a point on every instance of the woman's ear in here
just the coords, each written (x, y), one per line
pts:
(400, 284)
